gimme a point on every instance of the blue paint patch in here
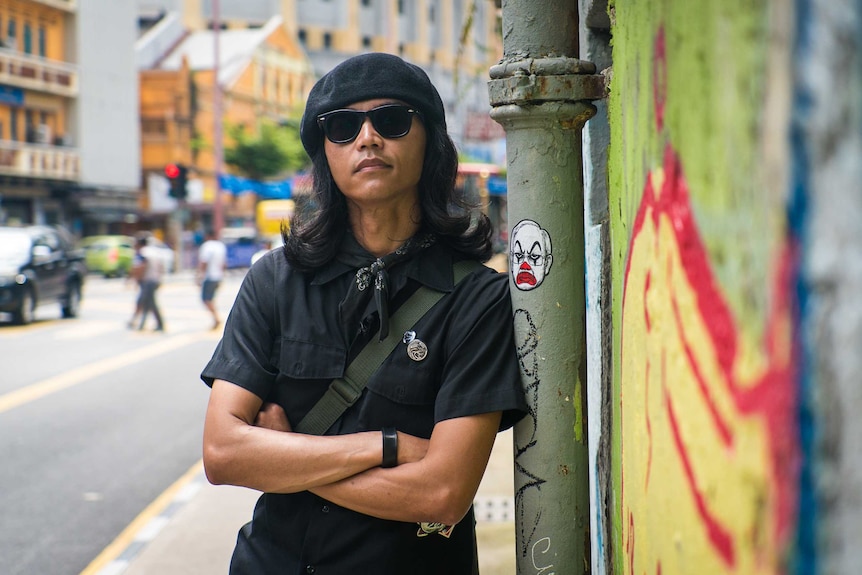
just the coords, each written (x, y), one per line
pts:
(804, 557)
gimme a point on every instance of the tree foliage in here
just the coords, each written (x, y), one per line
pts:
(275, 150)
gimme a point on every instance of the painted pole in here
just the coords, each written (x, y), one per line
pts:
(540, 94)
(218, 211)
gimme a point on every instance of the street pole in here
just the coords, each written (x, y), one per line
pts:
(218, 217)
(540, 94)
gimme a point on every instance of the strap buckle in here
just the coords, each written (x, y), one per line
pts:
(346, 389)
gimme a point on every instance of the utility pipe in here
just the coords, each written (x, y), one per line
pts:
(540, 94)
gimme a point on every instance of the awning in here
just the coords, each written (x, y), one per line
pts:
(497, 186)
(280, 190)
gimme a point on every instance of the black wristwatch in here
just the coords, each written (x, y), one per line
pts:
(390, 447)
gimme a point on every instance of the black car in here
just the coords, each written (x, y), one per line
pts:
(39, 264)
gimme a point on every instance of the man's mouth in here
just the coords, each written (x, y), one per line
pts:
(370, 163)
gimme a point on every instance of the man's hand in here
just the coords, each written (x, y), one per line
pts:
(272, 416)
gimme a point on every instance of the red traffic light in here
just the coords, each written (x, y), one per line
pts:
(172, 171)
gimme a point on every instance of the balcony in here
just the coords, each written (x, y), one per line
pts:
(39, 74)
(64, 5)
(39, 161)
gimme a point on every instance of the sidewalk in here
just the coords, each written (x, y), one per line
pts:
(195, 532)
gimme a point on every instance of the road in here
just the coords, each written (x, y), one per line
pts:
(97, 420)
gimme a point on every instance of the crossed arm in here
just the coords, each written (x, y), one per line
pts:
(435, 480)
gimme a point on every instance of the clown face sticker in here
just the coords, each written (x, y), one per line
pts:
(530, 253)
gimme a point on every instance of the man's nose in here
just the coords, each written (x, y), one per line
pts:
(368, 136)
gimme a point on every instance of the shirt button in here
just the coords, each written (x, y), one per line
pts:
(325, 509)
(310, 569)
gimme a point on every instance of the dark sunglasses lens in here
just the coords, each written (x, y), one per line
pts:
(391, 122)
(342, 126)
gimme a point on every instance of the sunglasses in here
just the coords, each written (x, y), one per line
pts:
(390, 121)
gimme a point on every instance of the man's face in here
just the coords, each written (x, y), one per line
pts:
(531, 257)
(373, 171)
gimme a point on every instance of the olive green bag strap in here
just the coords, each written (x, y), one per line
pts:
(344, 391)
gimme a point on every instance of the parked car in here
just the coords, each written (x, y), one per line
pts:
(39, 265)
(110, 255)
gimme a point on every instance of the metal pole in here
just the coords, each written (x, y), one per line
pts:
(218, 217)
(539, 93)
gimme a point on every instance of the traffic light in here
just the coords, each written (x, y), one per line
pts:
(177, 175)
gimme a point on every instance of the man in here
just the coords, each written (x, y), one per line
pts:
(149, 269)
(212, 261)
(388, 488)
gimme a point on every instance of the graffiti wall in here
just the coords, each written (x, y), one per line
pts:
(706, 450)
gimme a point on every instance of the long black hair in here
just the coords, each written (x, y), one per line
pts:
(315, 235)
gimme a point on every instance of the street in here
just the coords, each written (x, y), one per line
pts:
(97, 420)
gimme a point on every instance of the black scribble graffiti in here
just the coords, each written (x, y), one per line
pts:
(525, 327)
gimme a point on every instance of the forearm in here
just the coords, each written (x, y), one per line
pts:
(286, 462)
(439, 488)
(397, 494)
(238, 453)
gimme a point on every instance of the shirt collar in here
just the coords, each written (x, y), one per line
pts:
(431, 267)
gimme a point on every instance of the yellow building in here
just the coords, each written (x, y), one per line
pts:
(264, 76)
(37, 87)
(454, 41)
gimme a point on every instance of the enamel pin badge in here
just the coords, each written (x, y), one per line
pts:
(416, 348)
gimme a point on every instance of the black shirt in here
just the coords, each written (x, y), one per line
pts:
(284, 342)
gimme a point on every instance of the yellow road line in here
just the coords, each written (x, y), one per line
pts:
(153, 510)
(87, 372)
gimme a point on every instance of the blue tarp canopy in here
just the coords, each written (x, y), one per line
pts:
(497, 186)
(268, 190)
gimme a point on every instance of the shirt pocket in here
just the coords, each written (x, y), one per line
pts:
(308, 360)
(402, 380)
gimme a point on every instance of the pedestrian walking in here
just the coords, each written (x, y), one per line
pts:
(212, 262)
(151, 268)
(136, 275)
(386, 484)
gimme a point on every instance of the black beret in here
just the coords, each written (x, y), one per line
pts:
(366, 77)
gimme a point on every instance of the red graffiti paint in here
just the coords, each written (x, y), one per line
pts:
(771, 398)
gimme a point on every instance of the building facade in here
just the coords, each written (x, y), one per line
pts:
(68, 135)
(263, 78)
(455, 41)
(39, 86)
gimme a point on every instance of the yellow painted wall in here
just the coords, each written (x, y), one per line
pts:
(706, 455)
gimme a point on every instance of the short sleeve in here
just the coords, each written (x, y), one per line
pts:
(245, 355)
(481, 373)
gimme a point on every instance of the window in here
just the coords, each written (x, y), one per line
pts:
(154, 126)
(28, 39)
(401, 6)
(11, 34)
(303, 36)
(13, 124)
(42, 41)
(366, 41)
(431, 14)
(29, 127)
(327, 40)
(366, 2)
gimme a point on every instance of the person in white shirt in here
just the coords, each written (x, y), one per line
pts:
(149, 269)
(212, 261)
